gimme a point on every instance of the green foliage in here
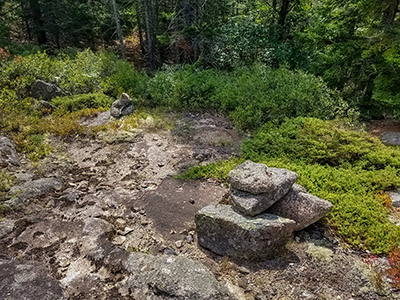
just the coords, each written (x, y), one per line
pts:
(251, 95)
(76, 75)
(322, 142)
(218, 170)
(259, 94)
(346, 167)
(6, 182)
(121, 77)
(78, 102)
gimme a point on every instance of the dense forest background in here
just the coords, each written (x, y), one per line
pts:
(352, 45)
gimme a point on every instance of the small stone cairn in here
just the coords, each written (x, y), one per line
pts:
(122, 107)
(267, 206)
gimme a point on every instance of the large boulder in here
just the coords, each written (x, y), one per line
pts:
(269, 184)
(171, 277)
(226, 232)
(122, 107)
(27, 280)
(34, 189)
(8, 154)
(46, 91)
(302, 207)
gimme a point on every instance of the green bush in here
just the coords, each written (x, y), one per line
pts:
(252, 96)
(121, 77)
(346, 167)
(259, 94)
(78, 102)
(323, 142)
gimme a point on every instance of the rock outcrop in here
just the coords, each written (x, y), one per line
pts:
(122, 107)
(33, 189)
(267, 206)
(8, 154)
(27, 280)
(42, 90)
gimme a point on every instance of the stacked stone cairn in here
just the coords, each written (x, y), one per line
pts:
(267, 206)
(122, 107)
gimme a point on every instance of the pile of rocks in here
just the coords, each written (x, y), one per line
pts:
(122, 107)
(266, 207)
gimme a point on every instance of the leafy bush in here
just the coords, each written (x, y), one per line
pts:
(121, 77)
(78, 102)
(359, 168)
(316, 141)
(252, 96)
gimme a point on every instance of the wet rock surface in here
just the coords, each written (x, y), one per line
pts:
(227, 232)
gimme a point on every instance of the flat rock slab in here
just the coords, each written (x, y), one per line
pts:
(34, 189)
(226, 232)
(391, 138)
(173, 205)
(8, 154)
(27, 280)
(269, 184)
(302, 207)
(171, 277)
(249, 204)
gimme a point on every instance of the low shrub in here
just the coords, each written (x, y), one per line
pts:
(78, 102)
(324, 142)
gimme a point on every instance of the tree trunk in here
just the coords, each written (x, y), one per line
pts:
(283, 12)
(38, 23)
(153, 54)
(119, 31)
(390, 12)
(140, 28)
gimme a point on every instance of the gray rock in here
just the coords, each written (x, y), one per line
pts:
(101, 119)
(226, 232)
(391, 138)
(46, 91)
(249, 204)
(304, 208)
(395, 196)
(258, 178)
(171, 277)
(46, 106)
(8, 154)
(27, 280)
(122, 107)
(34, 189)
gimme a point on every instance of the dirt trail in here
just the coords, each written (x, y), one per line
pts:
(125, 193)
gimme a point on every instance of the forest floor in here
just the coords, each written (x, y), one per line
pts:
(128, 179)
